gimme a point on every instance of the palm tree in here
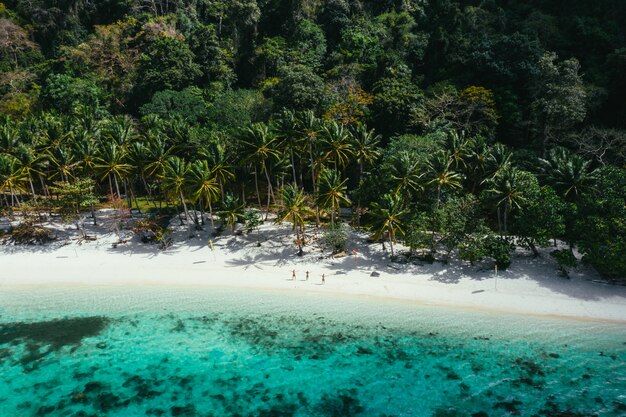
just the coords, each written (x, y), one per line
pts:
(441, 175)
(112, 164)
(176, 179)
(457, 147)
(30, 164)
(336, 144)
(260, 144)
(332, 192)
(287, 130)
(364, 144)
(12, 178)
(499, 160)
(216, 155)
(294, 210)
(63, 160)
(232, 210)
(85, 151)
(507, 190)
(406, 174)
(568, 173)
(309, 126)
(387, 217)
(205, 186)
(119, 129)
(477, 163)
(9, 137)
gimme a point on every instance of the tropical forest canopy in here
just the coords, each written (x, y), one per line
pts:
(454, 126)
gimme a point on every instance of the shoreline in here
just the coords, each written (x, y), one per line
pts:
(377, 298)
(529, 287)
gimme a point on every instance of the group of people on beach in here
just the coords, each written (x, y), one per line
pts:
(293, 276)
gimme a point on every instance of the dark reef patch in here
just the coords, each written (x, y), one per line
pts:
(53, 333)
(346, 404)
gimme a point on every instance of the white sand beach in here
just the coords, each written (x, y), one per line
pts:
(529, 286)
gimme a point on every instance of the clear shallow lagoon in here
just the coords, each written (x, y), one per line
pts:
(219, 352)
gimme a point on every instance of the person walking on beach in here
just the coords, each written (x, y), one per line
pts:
(323, 279)
(307, 276)
(293, 275)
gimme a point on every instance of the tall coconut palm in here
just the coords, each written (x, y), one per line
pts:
(260, 146)
(204, 185)
(62, 159)
(441, 175)
(287, 130)
(309, 126)
(477, 163)
(30, 163)
(85, 151)
(387, 217)
(457, 147)
(332, 192)
(176, 180)
(406, 174)
(215, 153)
(294, 210)
(12, 179)
(119, 129)
(507, 190)
(568, 173)
(499, 159)
(9, 137)
(336, 145)
(111, 163)
(364, 145)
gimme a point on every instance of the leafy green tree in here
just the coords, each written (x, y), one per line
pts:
(542, 219)
(168, 64)
(186, 104)
(75, 196)
(559, 97)
(394, 96)
(600, 226)
(299, 88)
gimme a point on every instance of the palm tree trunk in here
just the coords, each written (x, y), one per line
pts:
(293, 166)
(256, 186)
(32, 188)
(182, 200)
(117, 188)
(201, 203)
(499, 221)
(111, 187)
(270, 193)
(390, 231)
(211, 214)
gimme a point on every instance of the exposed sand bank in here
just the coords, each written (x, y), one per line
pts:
(529, 286)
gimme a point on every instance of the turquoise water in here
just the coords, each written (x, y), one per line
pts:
(210, 352)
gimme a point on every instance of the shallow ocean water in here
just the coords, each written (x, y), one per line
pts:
(226, 352)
